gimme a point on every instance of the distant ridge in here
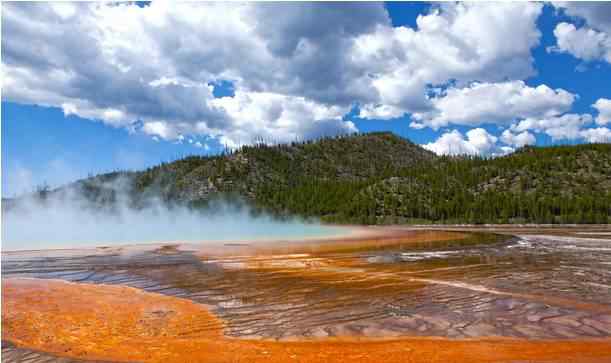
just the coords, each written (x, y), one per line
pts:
(379, 178)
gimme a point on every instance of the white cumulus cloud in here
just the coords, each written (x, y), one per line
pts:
(584, 43)
(476, 142)
(521, 139)
(154, 65)
(456, 41)
(499, 103)
(297, 75)
(591, 41)
(120, 63)
(603, 106)
(278, 118)
(596, 13)
(568, 126)
(598, 135)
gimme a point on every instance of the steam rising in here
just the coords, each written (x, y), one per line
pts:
(68, 218)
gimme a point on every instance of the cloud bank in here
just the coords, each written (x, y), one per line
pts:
(156, 69)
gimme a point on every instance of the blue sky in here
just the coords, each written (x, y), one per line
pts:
(119, 90)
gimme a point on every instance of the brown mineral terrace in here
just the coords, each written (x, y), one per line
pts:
(125, 324)
(379, 294)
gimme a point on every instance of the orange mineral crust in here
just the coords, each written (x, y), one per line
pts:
(361, 239)
(125, 324)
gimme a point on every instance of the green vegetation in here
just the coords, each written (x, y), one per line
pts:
(380, 178)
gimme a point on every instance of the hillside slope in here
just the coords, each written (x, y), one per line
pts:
(382, 178)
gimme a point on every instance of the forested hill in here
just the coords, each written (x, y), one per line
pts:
(382, 178)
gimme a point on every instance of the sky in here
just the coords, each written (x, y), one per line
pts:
(97, 87)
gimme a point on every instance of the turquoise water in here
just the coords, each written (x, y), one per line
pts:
(56, 228)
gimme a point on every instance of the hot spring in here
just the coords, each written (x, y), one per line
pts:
(65, 225)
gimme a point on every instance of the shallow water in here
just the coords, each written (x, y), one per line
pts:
(52, 232)
(538, 287)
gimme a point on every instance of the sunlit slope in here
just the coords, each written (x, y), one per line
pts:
(382, 178)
